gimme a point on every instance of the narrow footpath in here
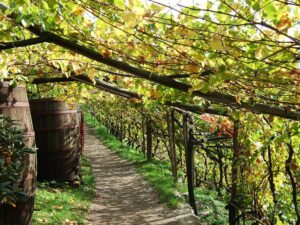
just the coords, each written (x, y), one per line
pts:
(122, 195)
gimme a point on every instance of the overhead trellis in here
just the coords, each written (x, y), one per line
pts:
(223, 57)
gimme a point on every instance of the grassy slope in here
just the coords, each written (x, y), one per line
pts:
(211, 209)
(58, 203)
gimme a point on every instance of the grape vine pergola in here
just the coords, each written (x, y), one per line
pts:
(222, 57)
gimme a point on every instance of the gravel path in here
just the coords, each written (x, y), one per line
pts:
(123, 196)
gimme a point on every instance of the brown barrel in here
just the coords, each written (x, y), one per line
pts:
(57, 133)
(14, 103)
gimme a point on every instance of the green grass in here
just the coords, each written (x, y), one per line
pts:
(58, 203)
(210, 206)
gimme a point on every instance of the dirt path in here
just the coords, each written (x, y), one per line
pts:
(123, 196)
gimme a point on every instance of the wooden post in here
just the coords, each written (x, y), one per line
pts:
(112, 127)
(99, 121)
(121, 129)
(149, 139)
(292, 178)
(189, 155)
(143, 136)
(108, 126)
(233, 211)
(94, 119)
(172, 145)
(129, 134)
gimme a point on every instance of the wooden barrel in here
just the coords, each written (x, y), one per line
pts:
(58, 139)
(14, 103)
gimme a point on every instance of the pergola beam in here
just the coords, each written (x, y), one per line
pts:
(84, 79)
(22, 43)
(125, 93)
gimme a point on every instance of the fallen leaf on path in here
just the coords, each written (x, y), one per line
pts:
(57, 207)
(71, 222)
(42, 220)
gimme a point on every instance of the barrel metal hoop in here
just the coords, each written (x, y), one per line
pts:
(57, 157)
(58, 128)
(45, 100)
(14, 105)
(64, 151)
(30, 177)
(54, 112)
(28, 134)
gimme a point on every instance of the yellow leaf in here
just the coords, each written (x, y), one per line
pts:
(154, 94)
(42, 220)
(76, 68)
(234, 52)
(216, 43)
(192, 68)
(88, 23)
(235, 6)
(131, 3)
(238, 99)
(197, 87)
(67, 74)
(261, 53)
(284, 23)
(193, 76)
(106, 53)
(1, 17)
(191, 90)
(78, 11)
(199, 56)
(130, 18)
(92, 73)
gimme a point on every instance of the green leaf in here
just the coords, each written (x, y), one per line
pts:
(270, 11)
(256, 6)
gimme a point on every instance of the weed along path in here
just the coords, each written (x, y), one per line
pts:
(122, 195)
